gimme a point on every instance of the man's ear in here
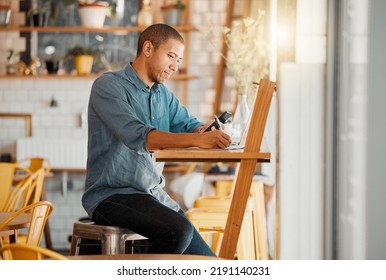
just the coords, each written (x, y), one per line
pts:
(147, 48)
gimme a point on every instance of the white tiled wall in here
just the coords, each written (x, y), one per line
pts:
(33, 95)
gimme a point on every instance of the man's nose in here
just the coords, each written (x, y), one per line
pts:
(174, 66)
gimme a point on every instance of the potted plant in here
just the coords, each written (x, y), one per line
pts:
(83, 59)
(92, 13)
(172, 11)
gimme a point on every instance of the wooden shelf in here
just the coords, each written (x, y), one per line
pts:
(19, 76)
(185, 77)
(179, 77)
(184, 29)
(106, 29)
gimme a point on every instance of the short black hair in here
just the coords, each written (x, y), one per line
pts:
(158, 34)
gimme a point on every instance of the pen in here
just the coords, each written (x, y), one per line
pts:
(218, 122)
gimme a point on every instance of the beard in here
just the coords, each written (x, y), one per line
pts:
(160, 77)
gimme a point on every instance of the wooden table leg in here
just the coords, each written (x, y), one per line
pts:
(239, 201)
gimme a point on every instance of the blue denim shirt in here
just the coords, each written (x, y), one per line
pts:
(122, 110)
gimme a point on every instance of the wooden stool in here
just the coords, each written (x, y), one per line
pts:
(113, 239)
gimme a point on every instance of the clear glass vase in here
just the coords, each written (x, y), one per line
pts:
(69, 12)
(241, 117)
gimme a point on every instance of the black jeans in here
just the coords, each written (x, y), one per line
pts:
(169, 232)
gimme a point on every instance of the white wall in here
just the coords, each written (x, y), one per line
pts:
(301, 95)
(376, 150)
(359, 230)
(301, 132)
(352, 95)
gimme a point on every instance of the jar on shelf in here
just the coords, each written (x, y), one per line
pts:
(40, 13)
(145, 15)
(172, 12)
(11, 66)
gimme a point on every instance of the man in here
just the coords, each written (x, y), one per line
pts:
(131, 114)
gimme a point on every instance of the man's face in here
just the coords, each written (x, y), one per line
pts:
(165, 60)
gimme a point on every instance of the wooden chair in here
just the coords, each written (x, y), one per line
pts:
(26, 192)
(212, 229)
(210, 219)
(7, 175)
(223, 188)
(34, 164)
(40, 211)
(203, 209)
(20, 251)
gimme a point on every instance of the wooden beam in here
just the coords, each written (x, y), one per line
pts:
(221, 66)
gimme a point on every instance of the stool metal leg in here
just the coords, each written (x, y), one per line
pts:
(110, 245)
(113, 239)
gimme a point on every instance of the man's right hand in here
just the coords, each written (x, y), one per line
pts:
(215, 139)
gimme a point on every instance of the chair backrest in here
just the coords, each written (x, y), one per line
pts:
(40, 211)
(26, 192)
(20, 251)
(7, 176)
(35, 163)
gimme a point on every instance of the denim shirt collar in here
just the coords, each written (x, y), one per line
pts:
(133, 77)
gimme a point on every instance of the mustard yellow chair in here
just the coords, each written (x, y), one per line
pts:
(7, 175)
(20, 251)
(210, 222)
(255, 218)
(26, 192)
(39, 211)
(223, 188)
(34, 164)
